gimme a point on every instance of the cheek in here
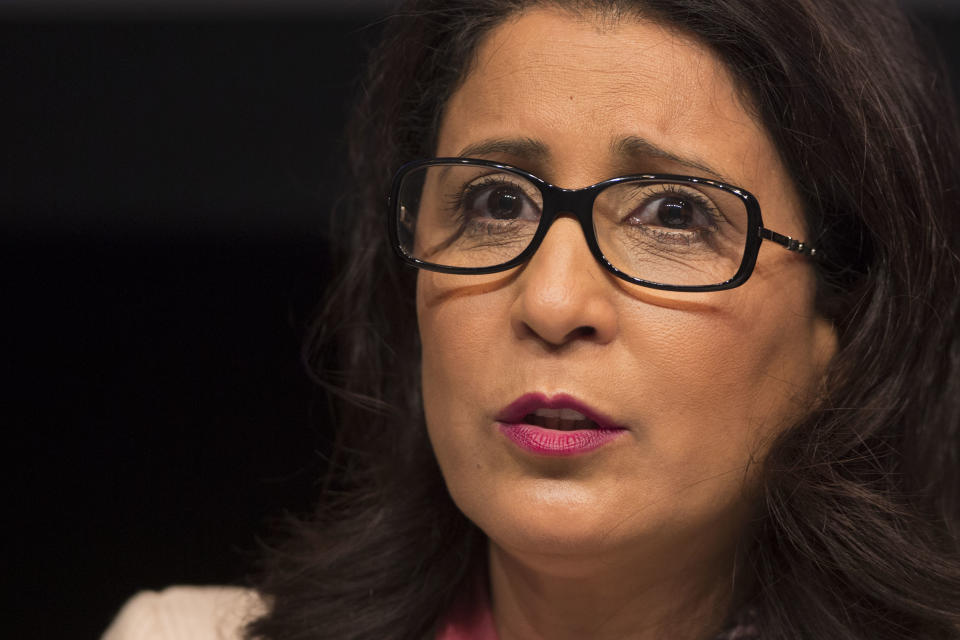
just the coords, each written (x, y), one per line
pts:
(722, 380)
(464, 328)
(455, 337)
(460, 335)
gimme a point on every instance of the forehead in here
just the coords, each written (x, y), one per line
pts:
(580, 86)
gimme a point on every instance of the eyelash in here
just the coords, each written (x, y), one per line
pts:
(704, 203)
(680, 236)
(458, 199)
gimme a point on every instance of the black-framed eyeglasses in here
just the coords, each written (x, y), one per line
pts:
(671, 232)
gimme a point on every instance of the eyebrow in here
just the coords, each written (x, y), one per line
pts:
(633, 147)
(526, 148)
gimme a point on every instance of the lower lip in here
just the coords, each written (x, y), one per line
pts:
(552, 442)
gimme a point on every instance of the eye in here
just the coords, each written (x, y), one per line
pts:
(499, 199)
(674, 213)
(679, 212)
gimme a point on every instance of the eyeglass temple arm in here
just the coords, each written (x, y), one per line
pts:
(788, 243)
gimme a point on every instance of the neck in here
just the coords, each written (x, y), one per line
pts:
(680, 596)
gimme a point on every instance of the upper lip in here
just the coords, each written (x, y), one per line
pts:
(530, 402)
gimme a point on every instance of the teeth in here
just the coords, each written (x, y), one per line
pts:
(560, 419)
(561, 414)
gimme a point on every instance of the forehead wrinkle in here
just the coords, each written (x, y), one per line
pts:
(598, 61)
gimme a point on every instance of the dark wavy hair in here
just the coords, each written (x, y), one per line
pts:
(858, 517)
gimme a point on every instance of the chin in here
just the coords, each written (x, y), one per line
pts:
(571, 552)
(554, 522)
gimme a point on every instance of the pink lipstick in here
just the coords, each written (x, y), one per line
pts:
(556, 426)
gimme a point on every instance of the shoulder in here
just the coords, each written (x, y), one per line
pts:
(190, 613)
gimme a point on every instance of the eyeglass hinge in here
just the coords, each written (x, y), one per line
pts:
(787, 242)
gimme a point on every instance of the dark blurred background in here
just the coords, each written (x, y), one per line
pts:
(166, 169)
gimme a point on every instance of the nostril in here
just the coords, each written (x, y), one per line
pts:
(583, 332)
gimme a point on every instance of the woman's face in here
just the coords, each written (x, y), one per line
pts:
(700, 382)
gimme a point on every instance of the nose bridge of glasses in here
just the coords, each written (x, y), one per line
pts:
(574, 202)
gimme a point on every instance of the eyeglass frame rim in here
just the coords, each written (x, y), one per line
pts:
(579, 203)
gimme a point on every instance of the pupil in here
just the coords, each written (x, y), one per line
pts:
(503, 203)
(674, 213)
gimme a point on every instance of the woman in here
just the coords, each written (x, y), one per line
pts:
(731, 412)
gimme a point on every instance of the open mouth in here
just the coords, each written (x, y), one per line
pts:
(560, 420)
(560, 412)
(556, 426)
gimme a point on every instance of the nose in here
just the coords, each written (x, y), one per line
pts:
(564, 295)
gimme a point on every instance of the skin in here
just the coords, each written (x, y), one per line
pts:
(636, 539)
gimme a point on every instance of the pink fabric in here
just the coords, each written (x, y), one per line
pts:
(470, 617)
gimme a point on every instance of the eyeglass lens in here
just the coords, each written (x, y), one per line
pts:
(666, 232)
